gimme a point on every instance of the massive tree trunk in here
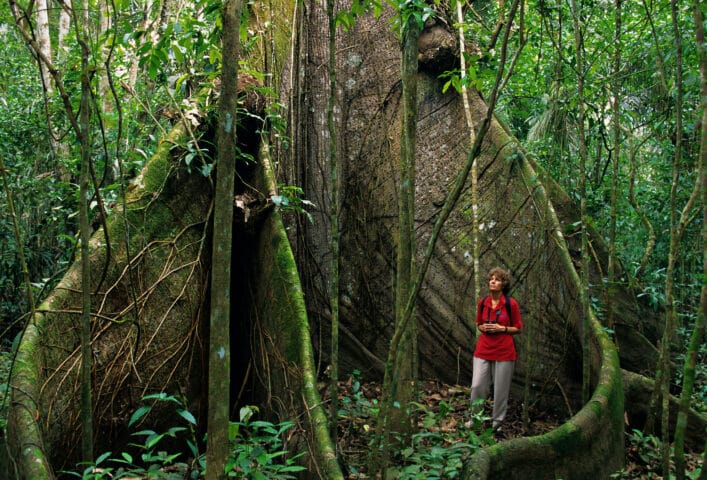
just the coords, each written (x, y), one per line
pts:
(168, 234)
(368, 75)
(516, 232)
(513, 234)
(157, 344)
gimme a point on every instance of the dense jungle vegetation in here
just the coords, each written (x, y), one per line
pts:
(608, 97)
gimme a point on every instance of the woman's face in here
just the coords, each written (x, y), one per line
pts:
(495, 284)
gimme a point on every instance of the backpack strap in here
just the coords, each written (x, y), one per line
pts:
(507, 298)
(508, 308)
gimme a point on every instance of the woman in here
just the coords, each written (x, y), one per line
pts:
(497, 318)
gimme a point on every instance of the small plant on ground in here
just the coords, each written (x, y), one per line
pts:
(257, 449)
(440, 446)
(151, 461)
(644, 460)
(355, 404)
(436, 452)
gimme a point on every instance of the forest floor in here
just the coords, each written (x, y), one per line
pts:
(444, 439)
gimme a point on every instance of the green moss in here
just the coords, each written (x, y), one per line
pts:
(151, 216)
(160, 165)
(282, 312)
(21, 421)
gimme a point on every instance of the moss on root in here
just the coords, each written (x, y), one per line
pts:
(167, 235)
(161, 271)
(590, 444)
(284, 333)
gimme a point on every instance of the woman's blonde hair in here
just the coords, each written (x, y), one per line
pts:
(502, 275)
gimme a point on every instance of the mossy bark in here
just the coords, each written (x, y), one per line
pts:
(166, 213)
(219, 403)
(283, 348)
(638, 390)
(24, 437)
(40, 432)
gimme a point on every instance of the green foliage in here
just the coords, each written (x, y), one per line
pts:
(431, 458)
(258, 451)
(417, 11)
(646, 447)
(43, 201)
(433, 451)
(184, 48)
(43, 227)
(646, 451)
(644, 460)
(347, 18)
(290, 200)
(150, 461)
(257, 448)
(539, 103)
(355, 405)
(436, 453)
(699, 394)
(5, 363)
(472, 79)
(197, 157)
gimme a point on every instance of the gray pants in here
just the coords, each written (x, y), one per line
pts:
(502, 373)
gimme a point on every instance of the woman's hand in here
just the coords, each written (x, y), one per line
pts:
(492, 328)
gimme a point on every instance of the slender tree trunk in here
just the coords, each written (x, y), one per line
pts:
(42, 32)
(650, 241)
(406, 359)
(584, 291)
(44, 42)
(104, 25)
(615, 107)
(400, 372)
(148, 26)
(334, 219)
(217, 447)
(63, 30)
(84, 198)
(659, 63)
(664, 358)
(476, 249)
(688, 382)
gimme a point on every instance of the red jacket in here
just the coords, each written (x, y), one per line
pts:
(497, 346)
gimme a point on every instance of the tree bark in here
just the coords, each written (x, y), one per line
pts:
(45, 45)
(616, 127)
(401, 365)
(699, 328)
(334, 222)
(167, 235)
(63, 28)
(84, 198)
(476, 248)
(584, 269)
(218, 446)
